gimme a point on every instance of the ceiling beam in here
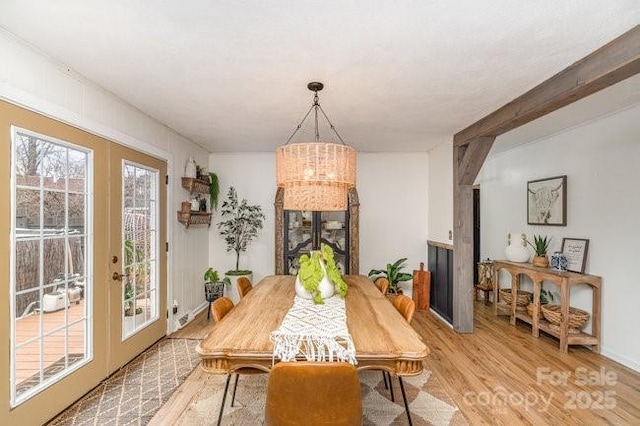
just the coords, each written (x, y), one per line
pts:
(612, 63)
(473, 159)
(605, 67)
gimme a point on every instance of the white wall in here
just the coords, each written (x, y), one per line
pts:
(253, 176)
(601, 160)
(35, 81)
(441, 193)
(393, 208)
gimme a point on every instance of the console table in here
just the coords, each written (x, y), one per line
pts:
(564, 281)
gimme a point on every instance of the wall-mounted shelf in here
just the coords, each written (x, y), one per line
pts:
(194, 218)
(196, 186)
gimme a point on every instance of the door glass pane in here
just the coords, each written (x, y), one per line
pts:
(49, 261)
(140, 247)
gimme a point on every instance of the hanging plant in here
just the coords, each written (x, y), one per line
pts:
(214, 191)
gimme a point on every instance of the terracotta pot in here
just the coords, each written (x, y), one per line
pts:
(541, 261)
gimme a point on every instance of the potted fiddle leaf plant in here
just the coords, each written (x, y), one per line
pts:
(394, 274)
(540, 246)
(239, 226)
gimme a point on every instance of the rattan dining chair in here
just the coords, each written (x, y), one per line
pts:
(244, 286)
(220, 308)
(314, 394)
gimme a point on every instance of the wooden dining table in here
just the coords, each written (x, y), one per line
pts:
(382, 337)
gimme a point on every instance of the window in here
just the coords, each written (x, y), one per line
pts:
(140, 245)
(50, 261)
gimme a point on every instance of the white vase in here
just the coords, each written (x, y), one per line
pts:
(325, 287)
(516, 250)
(190, 169)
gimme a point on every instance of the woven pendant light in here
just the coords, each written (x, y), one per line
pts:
(316, 175)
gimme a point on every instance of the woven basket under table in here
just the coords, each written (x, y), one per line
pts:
(523, 299)
(577, 317)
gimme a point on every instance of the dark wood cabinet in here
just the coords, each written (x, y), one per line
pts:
(299, 232)
(441, 266)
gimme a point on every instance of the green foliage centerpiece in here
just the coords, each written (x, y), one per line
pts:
(319, 277)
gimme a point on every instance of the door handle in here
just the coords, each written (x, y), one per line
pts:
(118, 277)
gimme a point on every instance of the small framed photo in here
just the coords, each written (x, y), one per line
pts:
(576, 251)
(547, 201)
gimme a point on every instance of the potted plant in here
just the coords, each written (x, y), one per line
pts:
(213, 287)
(546, 296)
(540, 246)
(319, 277)
(239, 226)
(394, 274)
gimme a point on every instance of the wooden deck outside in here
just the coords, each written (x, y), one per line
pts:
(28, 356)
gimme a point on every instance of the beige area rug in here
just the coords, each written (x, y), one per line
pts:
(428, 402)
(132, 395)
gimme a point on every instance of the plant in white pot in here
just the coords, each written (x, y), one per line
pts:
(319, 277)
(240, 225)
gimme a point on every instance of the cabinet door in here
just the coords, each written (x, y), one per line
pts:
(432, 266)
(333, 230)
(299, 238)
(441, 267)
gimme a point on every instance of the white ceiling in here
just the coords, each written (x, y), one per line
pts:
(399, 75)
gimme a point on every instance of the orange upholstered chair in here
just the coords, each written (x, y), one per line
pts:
(313, 393)
(244, 286)
(220, 308)
(405, 306)
(383, 284)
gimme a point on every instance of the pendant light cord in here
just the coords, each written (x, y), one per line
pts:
(316, 106)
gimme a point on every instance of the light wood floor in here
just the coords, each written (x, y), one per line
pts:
(500, 375)
(493, 372)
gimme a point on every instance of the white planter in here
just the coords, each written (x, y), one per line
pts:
(326, 287)
(231, 290)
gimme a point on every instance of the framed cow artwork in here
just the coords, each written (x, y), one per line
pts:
(547, 201)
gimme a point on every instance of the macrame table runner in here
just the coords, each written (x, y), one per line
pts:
(317, 332)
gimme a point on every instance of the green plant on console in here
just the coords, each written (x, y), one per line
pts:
(545, 296)
(393, 273)
(540, 245)
(311, 273)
